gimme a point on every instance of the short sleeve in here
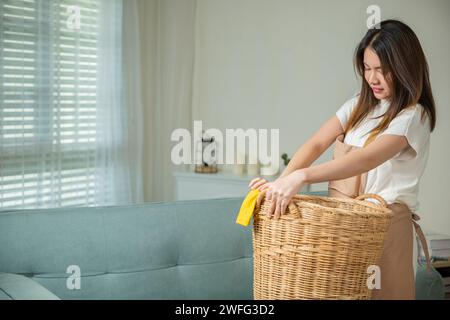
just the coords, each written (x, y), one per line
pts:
(409, 123)
(346, 110)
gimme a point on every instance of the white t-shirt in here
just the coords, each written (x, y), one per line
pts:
(396, 180)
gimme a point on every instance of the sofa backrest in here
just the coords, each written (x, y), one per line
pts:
(179, 250)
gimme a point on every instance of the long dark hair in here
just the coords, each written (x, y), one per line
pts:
(405, 68)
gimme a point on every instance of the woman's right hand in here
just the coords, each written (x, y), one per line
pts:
(259, 183)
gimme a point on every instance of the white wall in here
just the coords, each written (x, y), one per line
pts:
(287, 64)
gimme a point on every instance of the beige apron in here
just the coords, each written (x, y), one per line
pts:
(396, 262)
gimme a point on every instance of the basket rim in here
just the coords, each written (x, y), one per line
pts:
(349, 200)
(300, 199)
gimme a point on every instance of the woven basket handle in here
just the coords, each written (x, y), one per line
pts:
(373, 196)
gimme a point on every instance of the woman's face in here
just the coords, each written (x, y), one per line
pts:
(374, 75)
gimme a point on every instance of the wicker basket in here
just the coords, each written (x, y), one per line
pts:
(320, 248)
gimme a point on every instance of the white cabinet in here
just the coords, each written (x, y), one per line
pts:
(191, 185)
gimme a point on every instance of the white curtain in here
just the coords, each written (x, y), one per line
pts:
(120, 148)
(70, 109)
(168, 39)
(132, 100)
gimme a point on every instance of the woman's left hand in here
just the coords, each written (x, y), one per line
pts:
(281, 192)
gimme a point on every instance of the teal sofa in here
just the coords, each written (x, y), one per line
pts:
(185, 250)
(180, 250)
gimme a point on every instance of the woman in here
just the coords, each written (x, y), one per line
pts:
(382, 140)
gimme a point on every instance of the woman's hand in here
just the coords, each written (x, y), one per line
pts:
(259, 183)
(282, 191)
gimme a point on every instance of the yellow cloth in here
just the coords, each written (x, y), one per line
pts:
(247, 208)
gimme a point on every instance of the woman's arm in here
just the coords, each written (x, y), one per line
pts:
(315, 146)
(308, 152)
(356, 162)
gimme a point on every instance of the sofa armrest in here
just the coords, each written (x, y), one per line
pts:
(17, 287)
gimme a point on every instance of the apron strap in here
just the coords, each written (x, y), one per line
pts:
(422, 239)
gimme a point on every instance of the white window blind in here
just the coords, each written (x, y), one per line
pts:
(48, 104)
